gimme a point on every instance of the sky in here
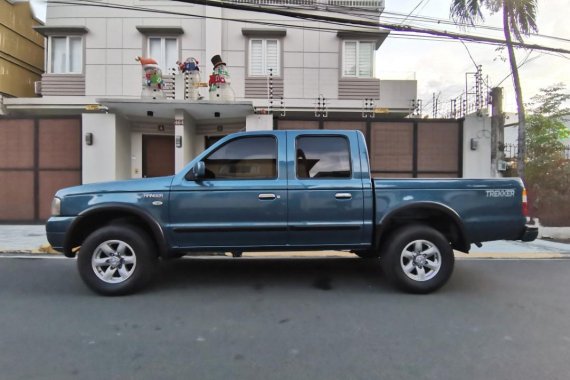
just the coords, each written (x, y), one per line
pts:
(440, 66)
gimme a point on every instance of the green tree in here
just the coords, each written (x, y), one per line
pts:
(519, 18)
(547, 169)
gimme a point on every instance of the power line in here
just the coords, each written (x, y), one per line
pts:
(416, 7)
(344, 21)
(373, 26)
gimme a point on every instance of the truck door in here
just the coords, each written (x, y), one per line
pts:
(325, 206)
(241, 202)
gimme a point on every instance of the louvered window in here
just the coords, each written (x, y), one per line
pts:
(358, 59)
(264, 56)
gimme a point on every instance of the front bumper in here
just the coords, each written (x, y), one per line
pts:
(56, 230)
(530, 233)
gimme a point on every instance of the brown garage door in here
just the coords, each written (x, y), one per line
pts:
(37, 157)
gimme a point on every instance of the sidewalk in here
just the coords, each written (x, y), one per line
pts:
(32, 239)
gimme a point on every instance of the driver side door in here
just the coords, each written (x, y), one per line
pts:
(240, 203)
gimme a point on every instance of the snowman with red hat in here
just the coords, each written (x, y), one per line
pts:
(220, 82)
(152, 78)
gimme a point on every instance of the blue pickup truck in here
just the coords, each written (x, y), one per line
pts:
(283, 191)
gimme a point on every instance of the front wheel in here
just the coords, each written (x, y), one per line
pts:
(116, 260)
(417, 259)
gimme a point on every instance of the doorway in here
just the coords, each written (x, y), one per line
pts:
(158, 155)
(211, 140)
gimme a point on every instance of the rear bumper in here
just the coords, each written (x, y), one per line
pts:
(529, 233)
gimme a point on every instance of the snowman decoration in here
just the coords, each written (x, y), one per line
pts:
(152, 79)
(190, 69)
(220, 88)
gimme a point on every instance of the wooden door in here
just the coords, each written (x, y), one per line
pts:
(158, 155)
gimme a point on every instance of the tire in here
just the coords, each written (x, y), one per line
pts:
(417, 259)
(117, 260)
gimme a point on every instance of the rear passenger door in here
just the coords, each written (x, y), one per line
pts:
(325, 197)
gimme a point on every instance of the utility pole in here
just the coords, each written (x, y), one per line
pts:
(497, 130)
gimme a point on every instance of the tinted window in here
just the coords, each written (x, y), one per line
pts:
(323, 157)
(245, 158)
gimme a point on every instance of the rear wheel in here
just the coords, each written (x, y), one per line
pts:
(417, 259)
(117, 260)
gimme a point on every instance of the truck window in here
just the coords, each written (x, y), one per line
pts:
(244, 158)
(322, 157)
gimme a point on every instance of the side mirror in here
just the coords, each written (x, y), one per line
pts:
(199, 170)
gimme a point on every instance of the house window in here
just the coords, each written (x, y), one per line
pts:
(358, 59)
(164, 50)
(264, 57)
(66, 54)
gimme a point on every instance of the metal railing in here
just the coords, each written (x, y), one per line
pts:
(364, 4)
(511, 151)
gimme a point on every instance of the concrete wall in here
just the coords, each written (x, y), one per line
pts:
(259, 123)
(123, 148)
(99, 160)
(477, 163)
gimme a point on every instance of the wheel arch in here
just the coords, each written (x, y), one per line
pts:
(106, 214)
(436, 215)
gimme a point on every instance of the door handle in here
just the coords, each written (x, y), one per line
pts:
(343, 196)
(266, 197)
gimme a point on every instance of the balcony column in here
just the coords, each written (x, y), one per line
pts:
(185, 134)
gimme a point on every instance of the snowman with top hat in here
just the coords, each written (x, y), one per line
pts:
(152, 79)
(220, 82)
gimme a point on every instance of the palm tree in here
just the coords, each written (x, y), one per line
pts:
(519, 18)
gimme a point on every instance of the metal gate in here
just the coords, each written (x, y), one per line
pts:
(37, 157)
(403, 148)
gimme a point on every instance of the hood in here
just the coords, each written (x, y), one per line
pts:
(132, 185)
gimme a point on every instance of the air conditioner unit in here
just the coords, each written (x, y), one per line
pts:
(38, 87)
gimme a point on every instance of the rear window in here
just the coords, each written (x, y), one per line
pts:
(322, 157)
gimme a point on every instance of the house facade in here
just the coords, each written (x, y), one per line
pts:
(93, 123)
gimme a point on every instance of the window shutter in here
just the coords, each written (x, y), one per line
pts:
(365, 59)
(256, 57)
(272, 56)
(58, 58)
(349, 59)
(75, 54)
(171, 52)
(155, 49)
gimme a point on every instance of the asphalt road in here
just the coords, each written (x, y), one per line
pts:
(286, 319)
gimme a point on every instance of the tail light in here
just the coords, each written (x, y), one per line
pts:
(524, 203)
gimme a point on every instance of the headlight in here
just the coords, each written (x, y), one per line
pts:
(56, 207)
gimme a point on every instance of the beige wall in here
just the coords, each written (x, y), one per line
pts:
(21, 50)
